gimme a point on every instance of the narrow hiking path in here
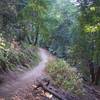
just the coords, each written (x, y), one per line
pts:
(23, 88)
(28, 78)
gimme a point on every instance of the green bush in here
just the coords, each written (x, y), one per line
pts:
(65, 76)
(10, 58)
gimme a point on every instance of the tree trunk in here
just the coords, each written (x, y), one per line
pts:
(92, 71)
(4, 21)
(97, 76)
(37, 33)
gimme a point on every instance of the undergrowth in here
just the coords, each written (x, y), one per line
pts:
(65, 76)
(11, 58)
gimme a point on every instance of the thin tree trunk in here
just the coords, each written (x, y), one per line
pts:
(37, 34)
(97, 76)
(92, 71)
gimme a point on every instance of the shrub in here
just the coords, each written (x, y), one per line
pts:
(65, 76)
(10, 58)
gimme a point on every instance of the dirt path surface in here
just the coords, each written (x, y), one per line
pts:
(24, 86)
(27, 79)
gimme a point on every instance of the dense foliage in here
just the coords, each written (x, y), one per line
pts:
(65, 76)
(68, 29)
(14, 58)
(87, 39)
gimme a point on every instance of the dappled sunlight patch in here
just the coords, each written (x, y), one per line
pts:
(92, 8)
(2, 43)
(48, 95)
(91, 29)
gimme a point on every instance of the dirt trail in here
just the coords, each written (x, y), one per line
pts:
(28, 78)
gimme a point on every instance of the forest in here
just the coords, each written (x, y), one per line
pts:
(49, 49)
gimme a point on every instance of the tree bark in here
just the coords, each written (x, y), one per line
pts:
(97, 76)
(92, 71)
(37, 33)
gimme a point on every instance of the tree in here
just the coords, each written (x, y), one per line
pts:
(63, 14)
(34, 14)
(88, 40)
